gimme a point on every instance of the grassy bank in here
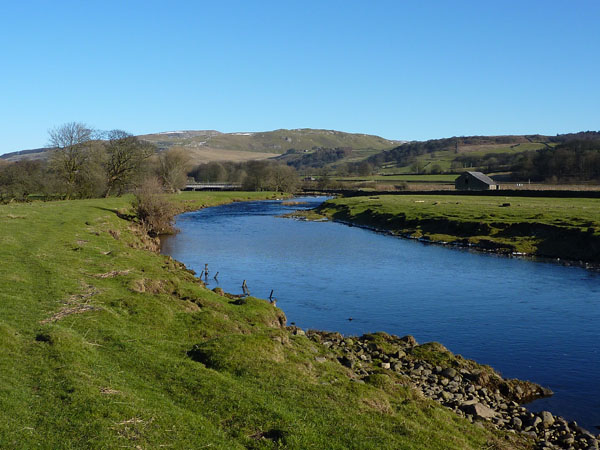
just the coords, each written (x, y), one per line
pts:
(567, 228)
(108, 345)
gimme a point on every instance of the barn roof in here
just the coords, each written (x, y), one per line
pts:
(482, 177)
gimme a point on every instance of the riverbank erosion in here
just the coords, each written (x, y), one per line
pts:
(106, 345)
(564, 228)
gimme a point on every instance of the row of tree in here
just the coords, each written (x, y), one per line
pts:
(318, 158)
(86, 163)
(252, 175)
(571, 161)
(577, 160)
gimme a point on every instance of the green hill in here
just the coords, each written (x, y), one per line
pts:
(276, 142)
(210, 145)
(204, 146)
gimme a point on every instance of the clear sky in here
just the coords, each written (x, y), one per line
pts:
(398, 69)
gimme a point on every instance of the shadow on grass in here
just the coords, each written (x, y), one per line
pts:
(119, 214)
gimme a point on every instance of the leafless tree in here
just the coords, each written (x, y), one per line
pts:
(283, 178)
(125, 155)
(172, 168)
(71, 143)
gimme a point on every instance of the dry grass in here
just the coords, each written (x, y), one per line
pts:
(200, 155)
(75, 304)
(109, 391)
(113, 273)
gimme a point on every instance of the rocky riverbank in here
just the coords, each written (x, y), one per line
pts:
(471, 390)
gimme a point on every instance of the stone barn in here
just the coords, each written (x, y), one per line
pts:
(474, 181)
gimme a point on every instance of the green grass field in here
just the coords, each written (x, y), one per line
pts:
(100, 340)
(554, 227)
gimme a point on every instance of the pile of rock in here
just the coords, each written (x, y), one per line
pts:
(473, 391)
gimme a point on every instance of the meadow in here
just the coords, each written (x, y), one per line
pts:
(567, 228)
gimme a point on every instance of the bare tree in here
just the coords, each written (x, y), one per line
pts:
(283, 178)
(125, 155)
(172, 168)
(71, 153)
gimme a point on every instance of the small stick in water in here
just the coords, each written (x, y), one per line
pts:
(216, 275)
(272, 299)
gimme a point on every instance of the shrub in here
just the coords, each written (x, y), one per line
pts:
(152, 209)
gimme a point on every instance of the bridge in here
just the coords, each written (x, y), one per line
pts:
(212, 187)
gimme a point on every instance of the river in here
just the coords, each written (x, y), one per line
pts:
(531, 320)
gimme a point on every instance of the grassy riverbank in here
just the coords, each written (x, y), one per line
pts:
(108, 345)
(567, 228)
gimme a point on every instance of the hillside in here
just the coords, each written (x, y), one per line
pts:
(275, 142)
(32, 154)
(205, 146)
(485, 153)
(211, 145)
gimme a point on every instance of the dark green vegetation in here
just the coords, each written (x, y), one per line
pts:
(568, 157)
(567, 228)
(108, 345)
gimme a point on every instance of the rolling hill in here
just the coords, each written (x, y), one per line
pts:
(211, 145)
(486, 153)
(344, 154)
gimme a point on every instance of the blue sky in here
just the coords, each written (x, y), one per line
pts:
(401, 70)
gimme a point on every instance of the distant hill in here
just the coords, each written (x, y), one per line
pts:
(486, 153)
(211, 145)
(310, 149)
(35, 153)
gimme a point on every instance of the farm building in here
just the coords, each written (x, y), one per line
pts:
(474, 181)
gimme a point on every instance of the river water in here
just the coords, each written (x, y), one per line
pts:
(531, 320)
